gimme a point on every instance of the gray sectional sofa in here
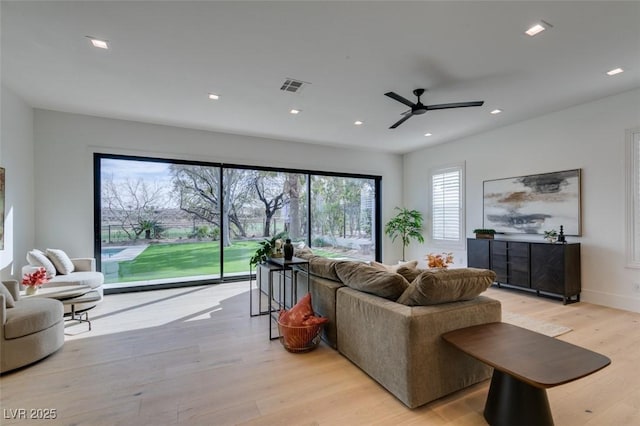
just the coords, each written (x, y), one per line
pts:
(399, 344)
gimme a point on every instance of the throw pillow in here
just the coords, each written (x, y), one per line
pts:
(368, 279)
(412, 264)
(63, 264)
(9, 301)
(298, 313)
(37, 258)
(433, 287)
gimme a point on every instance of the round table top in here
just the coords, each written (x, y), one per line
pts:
(58, 292)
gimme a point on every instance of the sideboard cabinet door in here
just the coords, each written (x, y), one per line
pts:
(478, 253)
(555, 268)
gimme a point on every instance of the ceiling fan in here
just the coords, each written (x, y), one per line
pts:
(418, 108)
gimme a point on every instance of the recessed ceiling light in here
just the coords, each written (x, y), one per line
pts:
(358, 123)
(214, 97)
(496, 111)
(428, 134)
(295, 111)
(100, 44)
(615, 71)
(538, 28)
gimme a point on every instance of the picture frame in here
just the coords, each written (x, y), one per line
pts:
(534, 204)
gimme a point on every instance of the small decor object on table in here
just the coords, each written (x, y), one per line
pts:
(439, 261)
(487, 234)
(561, 238)
(288, 249)
(551, 236)
(34, 280)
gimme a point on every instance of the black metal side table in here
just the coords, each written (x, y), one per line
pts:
(281, 266)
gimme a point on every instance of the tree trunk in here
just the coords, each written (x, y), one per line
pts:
(267, 223)
(294, 205)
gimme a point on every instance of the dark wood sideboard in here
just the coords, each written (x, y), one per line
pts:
(541, 267)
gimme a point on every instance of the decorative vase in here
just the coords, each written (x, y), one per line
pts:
(288, 250)
(31, 290)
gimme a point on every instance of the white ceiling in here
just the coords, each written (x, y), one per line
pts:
(165, 58)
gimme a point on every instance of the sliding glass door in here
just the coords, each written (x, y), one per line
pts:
(159, 221)
(343, 217)
(166, 222)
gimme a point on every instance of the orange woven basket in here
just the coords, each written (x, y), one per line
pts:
(298, 339)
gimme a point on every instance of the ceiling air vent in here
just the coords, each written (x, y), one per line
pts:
(293, 86)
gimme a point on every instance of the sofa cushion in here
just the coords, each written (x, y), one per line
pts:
(62, 262)
(37, 258)
(303, 252)
(412, 264)
(32, 315)
(9, 301)
(323, 267)
(409, 273)
(91, 279)
(433, 287)
(368, 279)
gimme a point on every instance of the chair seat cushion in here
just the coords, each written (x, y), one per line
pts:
(91, 279)
(32, 315)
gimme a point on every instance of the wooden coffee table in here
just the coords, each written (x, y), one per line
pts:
(525, 364)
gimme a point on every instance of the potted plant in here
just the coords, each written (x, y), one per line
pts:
(484, 233)
(407, 225)
(265, 249)
(551, 236)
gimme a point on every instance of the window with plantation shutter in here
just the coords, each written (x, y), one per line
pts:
(447, 204)
(633, 198)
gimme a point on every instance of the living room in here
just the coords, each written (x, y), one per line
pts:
(47, 152)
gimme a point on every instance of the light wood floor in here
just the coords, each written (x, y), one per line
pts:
(193, 356)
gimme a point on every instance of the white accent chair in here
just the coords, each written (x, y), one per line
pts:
(84, 274)
(30, 330)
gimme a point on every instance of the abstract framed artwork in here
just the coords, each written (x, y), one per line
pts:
(533, 204)
(1, 208)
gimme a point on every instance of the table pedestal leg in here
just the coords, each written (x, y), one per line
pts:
(512, 402)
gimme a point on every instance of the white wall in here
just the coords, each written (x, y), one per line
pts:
(16, 156)
(65, 144)
(590, 137)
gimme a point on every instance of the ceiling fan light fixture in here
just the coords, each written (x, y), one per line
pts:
(100, 44)
(615, 71)
(538, 28)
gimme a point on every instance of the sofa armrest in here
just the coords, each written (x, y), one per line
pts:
(13, 287)
(83, 264)
(401, 346)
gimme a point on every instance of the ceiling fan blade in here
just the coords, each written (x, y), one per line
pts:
(454, 105)
(399, 99)
(402, 120)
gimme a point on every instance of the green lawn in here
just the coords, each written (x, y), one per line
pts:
(178, 260)
(160, 261)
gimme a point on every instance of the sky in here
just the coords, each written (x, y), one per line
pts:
(147, 170)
